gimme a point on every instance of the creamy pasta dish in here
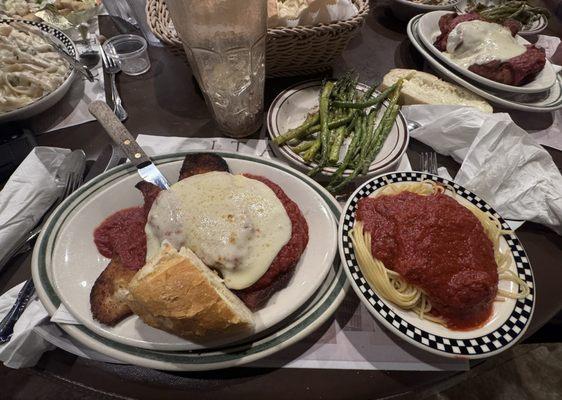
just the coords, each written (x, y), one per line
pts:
(20, 8)
(30, 67)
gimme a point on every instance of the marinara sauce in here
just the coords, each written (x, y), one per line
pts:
(121, 235)
(435, 243)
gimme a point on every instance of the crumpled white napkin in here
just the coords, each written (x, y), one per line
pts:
(501, 162)
(28, 194)
(34, 335)
(26, 346)
(548, 43)
(293, 13)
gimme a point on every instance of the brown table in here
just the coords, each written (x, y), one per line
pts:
(165, 102)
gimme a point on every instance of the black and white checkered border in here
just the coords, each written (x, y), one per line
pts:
(61, 36)
(507, 334)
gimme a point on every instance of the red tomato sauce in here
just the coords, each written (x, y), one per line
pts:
(435, 243)
(122, 235)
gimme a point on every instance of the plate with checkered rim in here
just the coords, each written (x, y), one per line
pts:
(52, 98)
(504, 331)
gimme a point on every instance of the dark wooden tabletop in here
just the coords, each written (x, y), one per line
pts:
(165, 102)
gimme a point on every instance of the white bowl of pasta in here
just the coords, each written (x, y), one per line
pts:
(436, 265)
(33, 75)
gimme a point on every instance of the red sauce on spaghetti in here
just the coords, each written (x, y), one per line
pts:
(435, 243)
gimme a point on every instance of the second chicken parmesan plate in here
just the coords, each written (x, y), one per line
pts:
(436, 265)
(491, 54)
(232, 249)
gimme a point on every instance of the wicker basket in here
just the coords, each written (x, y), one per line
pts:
(301, 50)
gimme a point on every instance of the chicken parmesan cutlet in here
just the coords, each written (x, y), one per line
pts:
(255, 246)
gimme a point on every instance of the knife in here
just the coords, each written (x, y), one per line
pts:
(109, 157)
(123, 138)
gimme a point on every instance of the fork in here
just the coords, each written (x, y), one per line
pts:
(73, 181)
(112, 68)
(428, 162)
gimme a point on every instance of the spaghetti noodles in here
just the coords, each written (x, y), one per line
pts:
(390, 285)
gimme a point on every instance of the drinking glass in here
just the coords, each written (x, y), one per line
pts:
(225, 45)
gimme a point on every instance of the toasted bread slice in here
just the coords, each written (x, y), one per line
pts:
(107, 298)
(423, 88)
(201, 163)
(179, 294)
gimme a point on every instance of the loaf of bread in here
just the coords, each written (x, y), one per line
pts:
(423, 88)
(179, 294)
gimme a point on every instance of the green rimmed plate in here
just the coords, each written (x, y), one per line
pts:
(299, 324)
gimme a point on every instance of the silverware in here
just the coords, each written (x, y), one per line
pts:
(89, 56)
(112, 68)
(67, 174)
(428, 162)
(109, 157)
(71, 60)
(412, 125)
(123, 138)
(71, 172)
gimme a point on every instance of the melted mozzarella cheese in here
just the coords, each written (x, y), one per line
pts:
(479, 42)
(235, 224)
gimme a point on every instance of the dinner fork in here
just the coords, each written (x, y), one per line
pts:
(72, 180)
(112, 68)
(428, 162)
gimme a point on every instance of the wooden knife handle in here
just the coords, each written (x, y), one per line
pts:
(117, 131)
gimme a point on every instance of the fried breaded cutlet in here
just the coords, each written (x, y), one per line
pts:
(201, 163)
(107, 298)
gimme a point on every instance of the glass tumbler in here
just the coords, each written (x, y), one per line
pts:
(225, 45)
(130, 52)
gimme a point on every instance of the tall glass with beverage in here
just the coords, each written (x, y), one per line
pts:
(225, 44)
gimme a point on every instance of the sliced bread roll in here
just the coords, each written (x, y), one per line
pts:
(423, 88)
(179, 294)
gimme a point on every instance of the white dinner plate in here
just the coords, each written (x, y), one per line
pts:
(304, 321)
(74, 264)
(550, 101)
(404, 10)
(509, 320)
(462, 7)
(291, 107)
(428, 30)
(56, 95)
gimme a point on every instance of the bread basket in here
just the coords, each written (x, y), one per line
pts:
(301, 50)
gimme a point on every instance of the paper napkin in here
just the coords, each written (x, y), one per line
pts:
(28, 194)
(26, 346)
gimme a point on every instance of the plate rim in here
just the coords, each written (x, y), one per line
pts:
(471, 75)
(408, 331)
(523, 32)
(196, 360)
(297, 161)
(430, 7)
(436, 64)
(30, 108)
(67, 211)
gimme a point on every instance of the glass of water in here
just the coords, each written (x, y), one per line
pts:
(225, 45)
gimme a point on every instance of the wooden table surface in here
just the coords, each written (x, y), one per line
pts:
(165, 102)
